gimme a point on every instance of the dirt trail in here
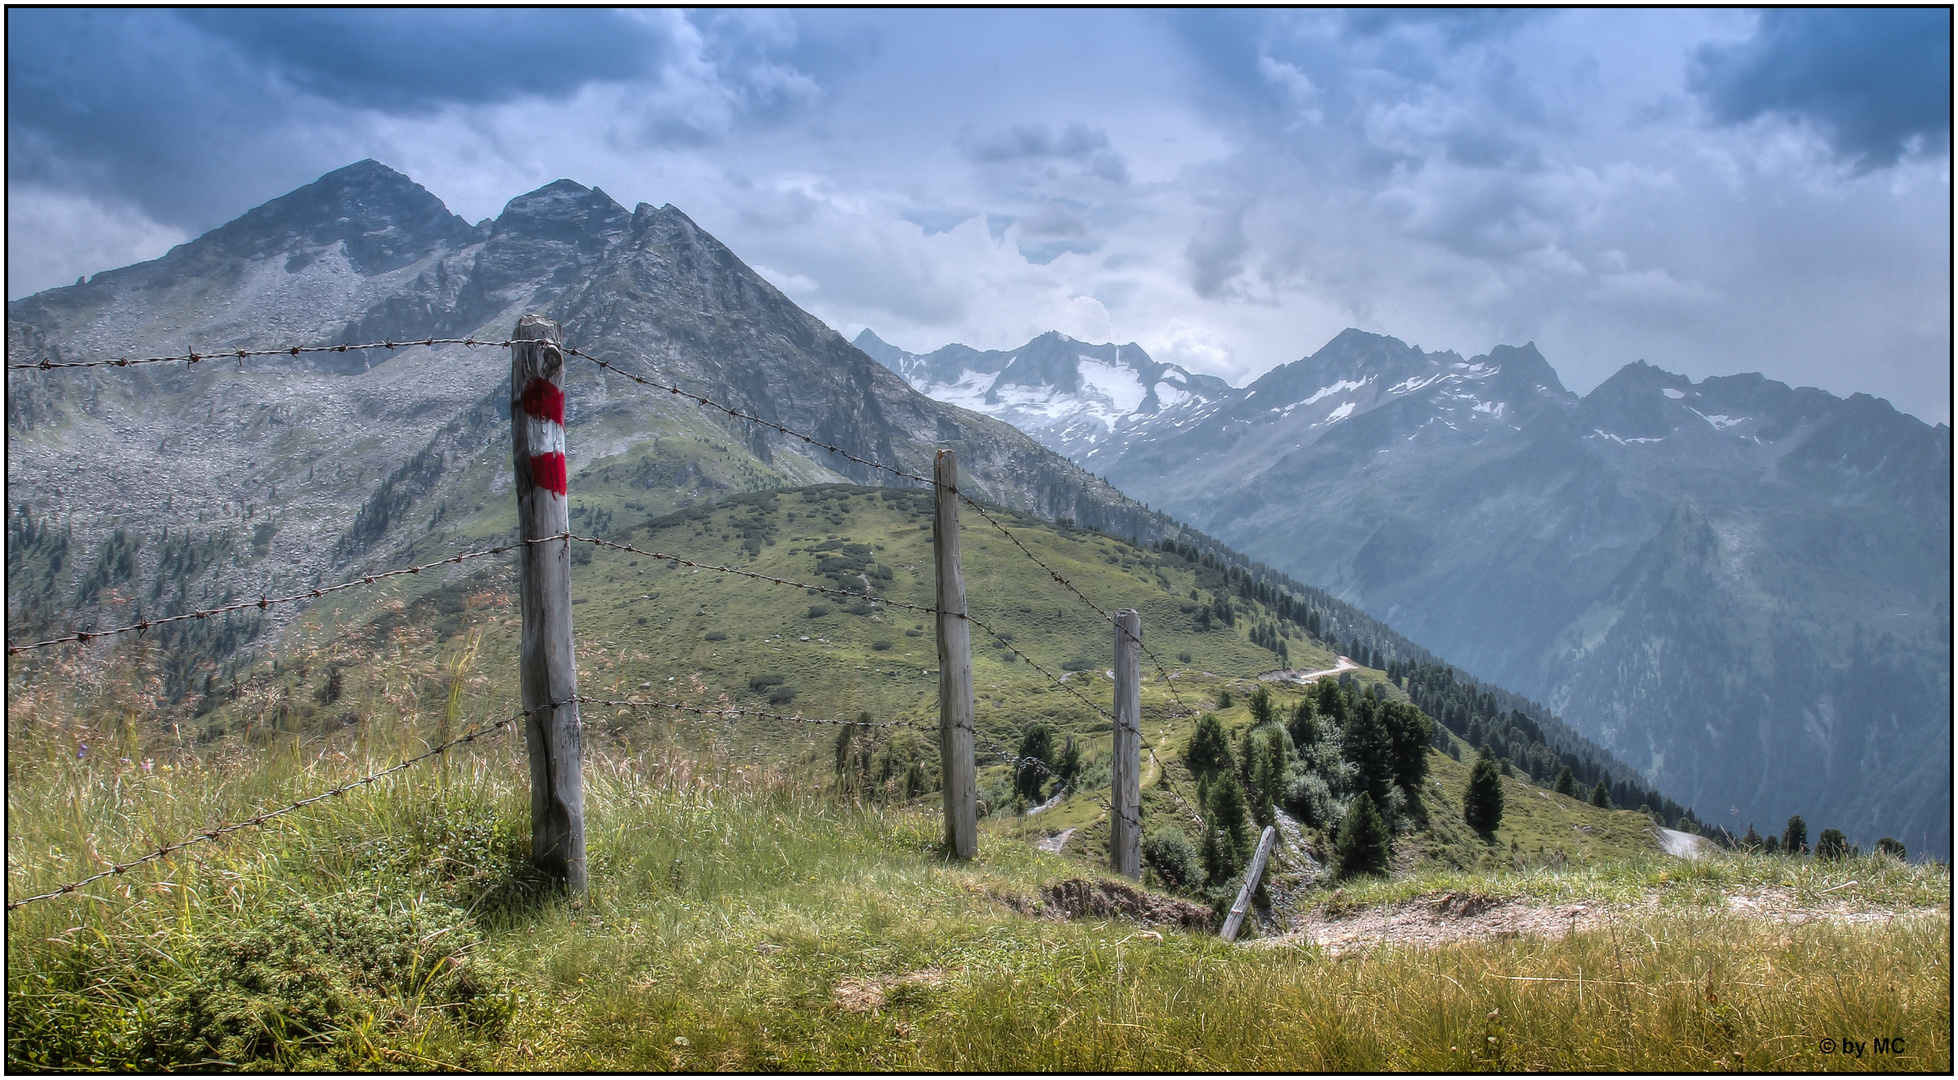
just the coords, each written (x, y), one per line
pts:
(1055, 842)
(1296, 676)
(1445, 918)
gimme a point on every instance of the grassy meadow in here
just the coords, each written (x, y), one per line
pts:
(748, 910)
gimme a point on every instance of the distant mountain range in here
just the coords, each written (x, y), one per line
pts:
(1084, 401)
(1741, 587)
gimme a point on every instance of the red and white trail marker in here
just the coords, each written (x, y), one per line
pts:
(543, 410)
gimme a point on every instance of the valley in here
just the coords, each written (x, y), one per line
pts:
(1740, 587)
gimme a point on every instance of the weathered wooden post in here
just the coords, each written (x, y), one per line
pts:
(961, 776)
(1125, 823)
(1251, 877)
(547, 665)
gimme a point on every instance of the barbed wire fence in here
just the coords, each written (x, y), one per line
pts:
(1018, 762)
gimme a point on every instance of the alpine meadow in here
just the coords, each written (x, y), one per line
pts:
(544, 645)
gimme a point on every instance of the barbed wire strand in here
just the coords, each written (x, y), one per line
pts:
(224, 830)
(1161, 668)
(263, 602)
(733, 712)
(929, 481)
(1055, 679)
(194, 357)
(752, 418)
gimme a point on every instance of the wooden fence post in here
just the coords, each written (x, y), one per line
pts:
(1125, 822)
(960, 775)
(1257, 871)
(547, 664)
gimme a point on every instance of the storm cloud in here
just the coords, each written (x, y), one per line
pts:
(1713, 191)
(1876, 83)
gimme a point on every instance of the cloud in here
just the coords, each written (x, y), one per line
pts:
(1874, 82)
(408, 59)
(192, 116)
(53, 237)
(938, 220)
(1216, 253)
(1077, 143)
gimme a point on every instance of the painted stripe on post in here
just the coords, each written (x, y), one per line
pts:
(543, 407)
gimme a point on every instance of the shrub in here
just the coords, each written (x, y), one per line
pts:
(1184, 658)
(1174, 858)
(308, 969)
(760, 683)
(782, 695)
(1075, 664)
(914, 633)
(860, 608)
(880, 645)
(716, 635)
(817, 611)
(1892, 847)
(1310, 799)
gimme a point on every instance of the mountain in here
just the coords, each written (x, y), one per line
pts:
(223, 477)
(1741, 587)
(1082, 401)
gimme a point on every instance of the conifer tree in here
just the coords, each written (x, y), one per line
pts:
(1832, 845)
(1601, 797)
(1262, 710)
(1892, 847)
(1409, 731)
(1794, 839)
(1208, 752)
(1036, 745)
(1227, 833)
(1362, 845)
(1304, 727)
(1482, 802)
(1566, 783)
(1370, 749)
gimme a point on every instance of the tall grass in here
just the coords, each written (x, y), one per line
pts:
(397, 927)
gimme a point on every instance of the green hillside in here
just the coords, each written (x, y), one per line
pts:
(654, 630)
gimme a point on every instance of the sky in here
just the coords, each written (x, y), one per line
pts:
(1710, 191)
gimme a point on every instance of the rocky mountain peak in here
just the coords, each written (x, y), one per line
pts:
(564, 211)
(1524, 370)
(384, 219)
